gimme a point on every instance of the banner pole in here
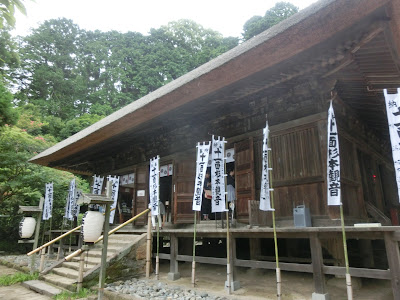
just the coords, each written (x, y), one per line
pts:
(278, 270)
(346, 258)
(158, 223)
(228, 262)
(194, 252)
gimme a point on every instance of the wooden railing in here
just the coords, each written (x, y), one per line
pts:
(79, 251)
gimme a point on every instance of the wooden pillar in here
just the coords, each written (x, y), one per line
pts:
(255, 248)
(393, 257)
(81, 268)
(317, 264)
(37, 230)
(235, 284)
(102, 277)
(173, 268)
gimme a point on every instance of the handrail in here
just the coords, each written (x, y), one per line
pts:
(79, 251)
(57, 239)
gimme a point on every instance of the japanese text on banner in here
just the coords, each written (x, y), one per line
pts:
(154, 182)
(48, 201)
(265, 199)
(114, 195)
(333, 160)
(201, 167)
(393, 114)
(218, 175)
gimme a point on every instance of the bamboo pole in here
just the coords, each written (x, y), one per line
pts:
(278, 270)
(346, 258)
(194, 252)
(228, 262)
(81, 270)
(158, 248)
(148, 246)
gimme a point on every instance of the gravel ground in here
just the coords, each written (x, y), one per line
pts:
(24, 261)
(154, 290)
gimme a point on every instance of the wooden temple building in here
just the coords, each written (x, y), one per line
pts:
(340, 50)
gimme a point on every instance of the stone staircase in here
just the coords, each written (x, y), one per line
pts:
(64, 275)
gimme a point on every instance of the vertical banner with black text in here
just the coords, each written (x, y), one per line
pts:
(114, 195)
(201, 168)
(218, 175)
(393, 114)
(265, 197)
(154, 182)
(48, 201)
(333, 161)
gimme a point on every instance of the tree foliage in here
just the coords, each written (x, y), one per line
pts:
(258, 24)
(7, 11)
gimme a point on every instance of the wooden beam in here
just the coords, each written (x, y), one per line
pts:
(271, 265)
(357, 272)
(317, 264)
(393, 257)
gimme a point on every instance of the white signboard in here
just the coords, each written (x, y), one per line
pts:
(114, 195)
(333, 161)
(218, 175)
(201, 168)
(154, 182)
(97, 185)
(166, 170)
(265, 197)
(70, 201)
(230, 155)
(393, 115)
(48, 201)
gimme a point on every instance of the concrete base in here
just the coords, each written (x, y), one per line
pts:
(235, 285)
(316, 296)
(174, 276)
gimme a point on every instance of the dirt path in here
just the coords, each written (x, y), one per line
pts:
(257, 284)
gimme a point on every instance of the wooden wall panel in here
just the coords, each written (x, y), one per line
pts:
(184, 174)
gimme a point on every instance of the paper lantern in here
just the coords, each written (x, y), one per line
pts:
(27, 227)
(92, 226)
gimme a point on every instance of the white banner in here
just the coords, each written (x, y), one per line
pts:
(265, 198)
(218, 175)
(97, 185)
(70, 201)
(201, 168)
(393, 115)
(48, 201)
(114, 195)
(154, 182)
(333, 161)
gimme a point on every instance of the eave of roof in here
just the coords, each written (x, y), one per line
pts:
(303, 30)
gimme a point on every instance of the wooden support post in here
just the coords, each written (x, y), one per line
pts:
(81, 270)
(42, 257)
(234, 284)
(102, 277)
(148, 246)
(393, 257)
(37, 230)
(173, 267)
(317, 266)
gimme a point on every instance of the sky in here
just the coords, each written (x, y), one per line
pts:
(224, 16)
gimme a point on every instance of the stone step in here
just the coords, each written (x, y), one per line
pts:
(66, 272)
(90, 260)
(75, 265)
(42, 287)
(64, 282)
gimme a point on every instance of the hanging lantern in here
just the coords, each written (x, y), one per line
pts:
(92, 225)
(27, 227)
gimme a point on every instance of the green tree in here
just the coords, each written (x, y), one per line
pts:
(50, 78)
(75, 125)
(7, 114)
(258, 24)
(7, 11)
(22, 183)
